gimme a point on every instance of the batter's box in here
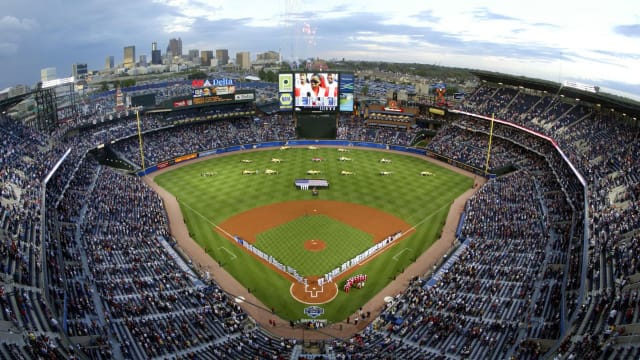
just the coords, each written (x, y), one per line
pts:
(313, 290)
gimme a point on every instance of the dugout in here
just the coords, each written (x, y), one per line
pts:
(316, 125)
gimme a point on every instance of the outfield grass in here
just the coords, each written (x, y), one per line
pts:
(421, 201)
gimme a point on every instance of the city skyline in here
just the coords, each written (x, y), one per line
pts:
(598, 45)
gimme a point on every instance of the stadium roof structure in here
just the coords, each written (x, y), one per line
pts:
(270, 108)
(608, 101)
(9, 102)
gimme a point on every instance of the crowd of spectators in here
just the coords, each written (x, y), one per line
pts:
(604, 150)
(77, 282)
(470, 148)
(354, 128)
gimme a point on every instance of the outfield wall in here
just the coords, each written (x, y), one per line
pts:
(273, 144)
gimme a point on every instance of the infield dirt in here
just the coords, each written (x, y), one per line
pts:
(257, 220)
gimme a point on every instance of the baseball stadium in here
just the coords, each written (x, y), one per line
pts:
(224, 217)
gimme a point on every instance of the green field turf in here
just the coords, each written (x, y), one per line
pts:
(286, 243)
(422, 201)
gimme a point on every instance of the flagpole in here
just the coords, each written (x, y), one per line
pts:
(486, 166)
(140, 139)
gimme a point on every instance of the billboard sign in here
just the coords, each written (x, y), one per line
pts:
(182, 103)
(199, 83)
(285, 83)
(346, 92)
(286, 101)
(213, 90)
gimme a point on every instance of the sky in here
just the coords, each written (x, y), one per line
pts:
(594, 43)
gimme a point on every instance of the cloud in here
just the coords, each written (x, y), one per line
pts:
(179, 24)
(12, 23)
(486, 14)
(12, 32)
(628, 30)
(8, 49)
(544, 24)
(427, 16)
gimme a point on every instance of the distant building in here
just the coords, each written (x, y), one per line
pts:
(156, 55)
(223, 56)
(18, 90)
(317, 65)
(109, 62)
(143, 61)
(194, 56)
(268, 57)
(243, 60)
(79, 71)
(175, 47)
(205, 57)
(129, 57)
(267, 60)
(47, 74)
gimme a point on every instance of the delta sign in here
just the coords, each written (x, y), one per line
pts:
(199, 83)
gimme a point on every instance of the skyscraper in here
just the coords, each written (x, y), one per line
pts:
(129, 57)
(109, 62)
(223, 56)
(194, 56)
(205, 57)
(243, 60)
(175, 47)
(47, 74)
(156, 56)
(79, 71)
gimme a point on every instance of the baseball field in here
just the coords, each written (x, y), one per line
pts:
(246, 212)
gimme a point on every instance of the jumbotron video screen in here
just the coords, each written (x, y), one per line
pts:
(316, 91)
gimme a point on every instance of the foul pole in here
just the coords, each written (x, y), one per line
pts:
(486, 165)
(140, 140)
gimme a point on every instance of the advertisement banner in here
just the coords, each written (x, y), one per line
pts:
(212, 99)
(244, 96)
(224, 90)
(185, 157)
(286, 101)
(198, 83)
(285, 83)
(182, 103)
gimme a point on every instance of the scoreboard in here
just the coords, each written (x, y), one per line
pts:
(315, 91)
(214, 92)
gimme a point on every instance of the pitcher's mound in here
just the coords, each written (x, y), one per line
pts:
(314, 245)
